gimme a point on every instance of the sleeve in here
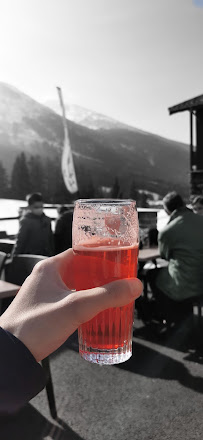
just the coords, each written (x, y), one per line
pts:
(164, 243)
(21, 377)
(21, 237)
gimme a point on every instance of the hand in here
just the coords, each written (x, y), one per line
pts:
(46, 312)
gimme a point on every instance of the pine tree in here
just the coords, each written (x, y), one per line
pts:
(143, 200)
(50, 180)
(20, 179)
(55, 190)
(116, 189)
(62, 195)
(134, 194)
(4, 189)
(36, 170)
(89, 190)
(140, 197)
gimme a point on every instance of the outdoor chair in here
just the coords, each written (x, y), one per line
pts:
(193, 306)
(5, 246)
(150, 265)
(16, 272)
(20, 267)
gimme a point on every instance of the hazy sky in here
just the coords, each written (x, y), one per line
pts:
(129, 59)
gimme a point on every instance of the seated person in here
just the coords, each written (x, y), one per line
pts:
(181, 243)
(63, 229)
(35, 234)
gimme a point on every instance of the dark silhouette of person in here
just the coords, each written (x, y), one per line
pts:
(35, 234)
(63, 229)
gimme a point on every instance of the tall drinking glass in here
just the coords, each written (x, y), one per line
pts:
(105, 244)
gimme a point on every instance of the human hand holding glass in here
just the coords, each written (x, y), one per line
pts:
(45, 312)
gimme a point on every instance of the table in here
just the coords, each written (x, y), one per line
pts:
(8, 289)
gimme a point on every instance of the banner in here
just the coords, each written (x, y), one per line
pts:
(67, 165)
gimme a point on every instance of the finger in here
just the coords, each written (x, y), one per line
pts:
(66, 255)
(64, 265)
(88, 303)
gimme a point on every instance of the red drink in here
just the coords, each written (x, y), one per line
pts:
(98, 264)
(105, 243)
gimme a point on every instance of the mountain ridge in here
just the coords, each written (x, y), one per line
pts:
(100, 155)
(55, 106)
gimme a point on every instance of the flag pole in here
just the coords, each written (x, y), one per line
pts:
(67, 163)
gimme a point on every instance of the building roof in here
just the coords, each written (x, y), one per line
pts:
(192, 104)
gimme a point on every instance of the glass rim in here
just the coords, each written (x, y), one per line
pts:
(106, 201)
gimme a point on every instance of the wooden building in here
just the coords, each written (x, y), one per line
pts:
(195, 107)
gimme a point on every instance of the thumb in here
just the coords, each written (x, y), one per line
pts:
(88, 303)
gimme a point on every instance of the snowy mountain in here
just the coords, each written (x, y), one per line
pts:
(111, 149)
(85, 117)
(23, 126)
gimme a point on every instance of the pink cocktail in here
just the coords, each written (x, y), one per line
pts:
(105, 243)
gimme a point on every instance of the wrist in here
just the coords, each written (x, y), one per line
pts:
(17, 329)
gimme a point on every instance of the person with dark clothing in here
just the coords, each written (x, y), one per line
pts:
(181, 243)
(19, 385)
(63, 229)
(35, 234)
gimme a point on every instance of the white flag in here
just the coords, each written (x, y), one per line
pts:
(67, 165)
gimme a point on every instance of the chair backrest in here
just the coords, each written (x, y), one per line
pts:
(153, 237)
(3, 256)
(21, 267)
(6, 246)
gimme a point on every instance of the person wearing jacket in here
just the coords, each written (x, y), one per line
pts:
(63, 229)
(44, 313)
(181, 243)
(35, 234)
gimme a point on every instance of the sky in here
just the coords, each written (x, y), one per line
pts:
(128, 59)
